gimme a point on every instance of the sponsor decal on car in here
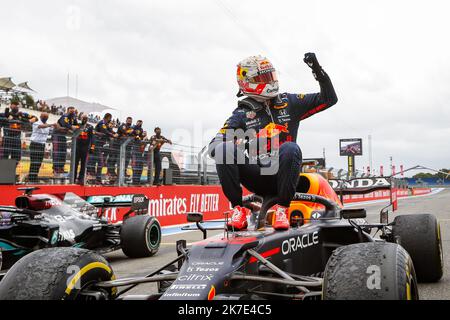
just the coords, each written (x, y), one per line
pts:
(300, 242)
(316, 215)
(54, 238)
(360, 183)
(195, 277)
(212, 293)
(188, 287)
(250, 114)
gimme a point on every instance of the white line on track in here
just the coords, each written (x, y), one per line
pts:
(375, 202)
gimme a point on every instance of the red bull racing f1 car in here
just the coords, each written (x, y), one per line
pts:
(43, 220)
(336, 255)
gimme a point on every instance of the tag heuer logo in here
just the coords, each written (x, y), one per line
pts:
(251, 114)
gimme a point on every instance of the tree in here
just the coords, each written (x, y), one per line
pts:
(29, 100)
(15, 98)
(442, 175)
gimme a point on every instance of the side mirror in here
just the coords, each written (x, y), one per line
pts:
(195, 217)
(353, 213)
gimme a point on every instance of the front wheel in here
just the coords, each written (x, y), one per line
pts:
(370, 271)
(56, 274)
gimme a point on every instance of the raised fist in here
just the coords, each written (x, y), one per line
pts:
(311, 60)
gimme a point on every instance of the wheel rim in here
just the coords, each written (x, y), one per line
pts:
(411, 282)
(153, 236)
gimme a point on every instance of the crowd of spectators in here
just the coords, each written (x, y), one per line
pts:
(42, 106)
(98, 143)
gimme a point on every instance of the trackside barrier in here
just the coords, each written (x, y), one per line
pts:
(111, 161)
(168, 203)
(54, 157)
(420, 191)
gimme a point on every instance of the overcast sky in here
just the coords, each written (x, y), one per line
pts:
(172, 63)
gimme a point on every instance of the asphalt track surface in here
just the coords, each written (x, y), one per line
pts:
(437, 204)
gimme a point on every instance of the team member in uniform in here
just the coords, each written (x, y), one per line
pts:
(39, 136)
(83, 146)
(156, 142)
(125, 131)
(112, 151)
(103, 133)
(12, 131)
(137, 150)
(265, 113)
(66, 124)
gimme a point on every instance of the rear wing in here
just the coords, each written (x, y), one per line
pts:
(136, 202)
(360, 185)
(367, 185)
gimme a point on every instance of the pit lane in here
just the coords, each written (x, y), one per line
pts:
(438, 204)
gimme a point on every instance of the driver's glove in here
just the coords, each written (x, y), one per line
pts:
(311, 60)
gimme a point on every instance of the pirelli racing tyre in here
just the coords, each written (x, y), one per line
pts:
(56, 274)
(420, 235)
(140, 236)
(370, 271)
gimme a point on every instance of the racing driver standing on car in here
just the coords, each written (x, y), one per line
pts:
(268, 114)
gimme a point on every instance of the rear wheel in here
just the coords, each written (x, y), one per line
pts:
(370, 271)
(56, 274)
(140, 236)
(420, 235)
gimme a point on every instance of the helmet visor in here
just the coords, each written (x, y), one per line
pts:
(266, 77)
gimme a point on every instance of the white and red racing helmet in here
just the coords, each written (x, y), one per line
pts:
(257, 78)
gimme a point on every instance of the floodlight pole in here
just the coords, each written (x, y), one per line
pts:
(351, 165)
(370, 154)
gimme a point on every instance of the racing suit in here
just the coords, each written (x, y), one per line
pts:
(284, 113)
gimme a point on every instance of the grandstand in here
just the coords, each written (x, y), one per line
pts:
(429, 182)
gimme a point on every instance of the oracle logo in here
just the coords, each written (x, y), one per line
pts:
(300, 242)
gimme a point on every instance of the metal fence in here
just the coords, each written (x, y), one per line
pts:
(118, 162)
(115, 161)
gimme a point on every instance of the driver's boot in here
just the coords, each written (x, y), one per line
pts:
(280, 221)
(238, 220)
